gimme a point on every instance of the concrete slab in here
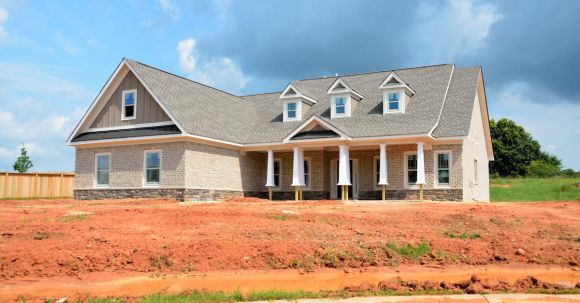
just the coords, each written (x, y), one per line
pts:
(531, 298)
(491, 298)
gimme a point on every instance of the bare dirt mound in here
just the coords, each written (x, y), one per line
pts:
(45, 238)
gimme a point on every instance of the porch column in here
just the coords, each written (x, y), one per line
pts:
(270, 174)
(297, 172)
(383, 182)
(343, 170)
(420, 169)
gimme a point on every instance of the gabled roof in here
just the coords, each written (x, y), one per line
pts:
(203, 111)
(393, 81)
(290, 92)
(340, 86)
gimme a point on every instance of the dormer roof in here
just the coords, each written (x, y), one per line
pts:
(394, 81)
(291, 92)
(340, 86)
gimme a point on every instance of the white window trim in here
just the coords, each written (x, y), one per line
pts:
(123, 117)
(278, 186)
(152, 184)
(95, 178)
(347, 106)
(298, 110)
(308, 186)
(436, 169)
(376, 185)
(406, 170)
(402, 101)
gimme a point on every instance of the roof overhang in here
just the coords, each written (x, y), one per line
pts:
(319, 121)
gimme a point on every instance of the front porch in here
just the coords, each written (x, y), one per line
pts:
(326, 171)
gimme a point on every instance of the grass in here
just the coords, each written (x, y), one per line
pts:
(535, 189)
(279, 217)
(195, 296)
(74, 218)
(464, 235)
(409, 251)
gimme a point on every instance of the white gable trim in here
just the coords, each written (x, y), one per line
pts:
(297, 95)
(331, 90)
(385, 84)
(132, 126)
(122, 69)
(343, 136)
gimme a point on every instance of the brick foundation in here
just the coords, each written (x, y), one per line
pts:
(413, 194)
(182, 194)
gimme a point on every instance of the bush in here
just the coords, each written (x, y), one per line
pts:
(542, 169)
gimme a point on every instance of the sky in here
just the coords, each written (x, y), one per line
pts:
(55, 56)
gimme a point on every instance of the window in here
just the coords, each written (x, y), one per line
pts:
(475, 172)
(411, 168)
(102, 169)
(339, 106)
(377, 171)
(152, 167)
(393, 101)
(307, 172)
(442, 165)
(277, 174)
(129, 104)
(291, 110)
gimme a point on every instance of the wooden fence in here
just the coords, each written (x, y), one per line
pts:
(36, 185)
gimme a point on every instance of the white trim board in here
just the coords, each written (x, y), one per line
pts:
(133, 126)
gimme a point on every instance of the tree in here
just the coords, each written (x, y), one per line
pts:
(513, 148)
(23, 163)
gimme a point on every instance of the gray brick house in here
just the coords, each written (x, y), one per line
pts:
(401, 134)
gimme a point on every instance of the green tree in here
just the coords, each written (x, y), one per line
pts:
(513, 148)
(23, 163)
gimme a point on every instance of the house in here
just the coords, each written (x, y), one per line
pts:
(414, 133)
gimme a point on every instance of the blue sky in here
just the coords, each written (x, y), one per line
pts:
(56, 55)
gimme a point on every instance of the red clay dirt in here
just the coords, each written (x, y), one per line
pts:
(48, 240)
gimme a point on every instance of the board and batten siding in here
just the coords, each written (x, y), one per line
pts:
(148, 111)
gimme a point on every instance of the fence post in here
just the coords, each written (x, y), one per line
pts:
(36, 185)
(60, 187)
(5, 185)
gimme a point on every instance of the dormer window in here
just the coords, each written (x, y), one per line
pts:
(292, 110)
(129, 104)
(341, 99)
(395, 94)
(294, 103)
(393, 101)
(339, 106)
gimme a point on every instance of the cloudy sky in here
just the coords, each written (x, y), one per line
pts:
(56, 56)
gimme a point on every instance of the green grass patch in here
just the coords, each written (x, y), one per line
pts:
(409, 251)
(464, 235)
(534, 189)
(195, 296)
(74, 218)
(279, 217)
(276, 294)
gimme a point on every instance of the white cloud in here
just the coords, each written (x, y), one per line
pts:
(219, 72)
(454, 28)
(171, 9)
(552, 124)
(3, 18)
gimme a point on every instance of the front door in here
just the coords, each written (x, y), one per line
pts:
(335, 190)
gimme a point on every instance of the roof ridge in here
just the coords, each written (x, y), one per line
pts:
(181, 77)
(375, 72)
(258, 94)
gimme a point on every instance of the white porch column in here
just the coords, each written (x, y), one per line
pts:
(383, 166)
(270, 170)
(301, 167)
(343, 166)
(420, 164)
(420, 169)
(297, 172)
(270, 174)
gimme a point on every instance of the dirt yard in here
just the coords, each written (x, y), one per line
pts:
(53, 239)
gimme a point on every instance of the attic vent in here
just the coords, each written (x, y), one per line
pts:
(290, 92)
(339, 86)
(393, 81)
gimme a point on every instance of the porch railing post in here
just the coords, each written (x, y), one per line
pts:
(420, 169)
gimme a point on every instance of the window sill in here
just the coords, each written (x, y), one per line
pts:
(127, 119)
(101, 186)
(152, 185)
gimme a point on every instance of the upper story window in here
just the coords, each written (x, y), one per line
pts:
(292, 110)
(393, 101)
(129, 104)
(339, 106)
(152, 167)
(102, 169)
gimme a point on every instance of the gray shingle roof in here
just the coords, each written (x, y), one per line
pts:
(208, 112)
